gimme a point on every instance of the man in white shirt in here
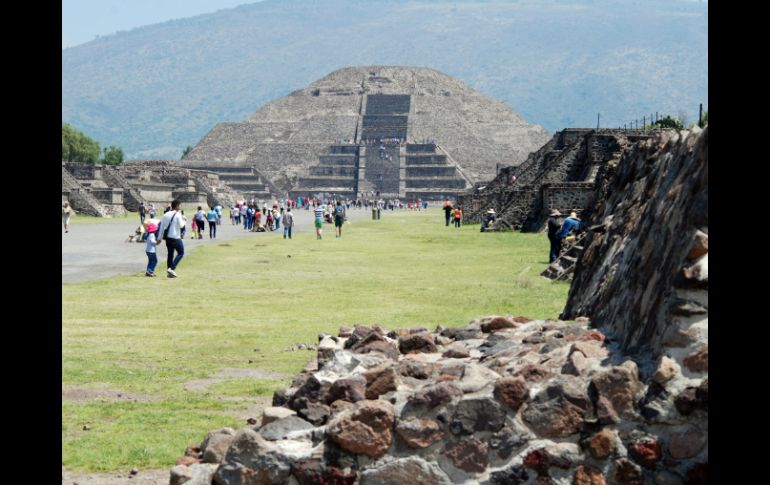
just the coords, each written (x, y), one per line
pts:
(171, 230)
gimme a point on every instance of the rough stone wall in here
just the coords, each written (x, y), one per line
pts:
(116, 189)
(287, 135)
(504, 400)
(109, 196)
(565, 197)
(80, 196)
(644, 272)
(84, 171)
(560, 172)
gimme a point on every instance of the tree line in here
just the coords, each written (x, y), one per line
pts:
(77, 147)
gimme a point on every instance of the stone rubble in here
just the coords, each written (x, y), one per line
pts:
(505, 412)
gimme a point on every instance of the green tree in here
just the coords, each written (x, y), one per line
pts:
(186, 151)
(113, 155)
(705, 118)
(77, 147)
(668, 122)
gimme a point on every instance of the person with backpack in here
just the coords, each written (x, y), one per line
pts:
(339, 218)
(199, 218)
(171, 229)
(213, 219)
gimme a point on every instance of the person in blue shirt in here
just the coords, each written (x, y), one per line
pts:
(572, 223)
(213, 219)
(218, 210)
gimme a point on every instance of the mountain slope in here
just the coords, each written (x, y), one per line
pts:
(156, 89)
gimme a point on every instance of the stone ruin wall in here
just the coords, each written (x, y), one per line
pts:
(148, 181)
(618, 395)
(567, 173)
(622, 263)
(564, 196)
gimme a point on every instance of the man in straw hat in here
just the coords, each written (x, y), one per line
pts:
(554, 225)
(488, 220)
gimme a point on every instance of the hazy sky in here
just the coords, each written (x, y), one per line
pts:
(83, 20)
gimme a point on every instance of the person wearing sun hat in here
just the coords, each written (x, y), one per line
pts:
(488, 219)
(554, 225)
(150, 250)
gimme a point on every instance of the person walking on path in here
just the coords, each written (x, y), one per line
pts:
(213, 219)
(142, 212)
(152, 241)
(458, 213)
(218, 210)
(199, 223)
(66, 213)
(152, 212)
(171, 230)
(277, 217)
(554, 225)
(319, 221)
(447, 211)
(339, 218)
(288, 223)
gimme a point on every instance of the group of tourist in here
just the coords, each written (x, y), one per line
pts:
(325, 213)
(262, 219)
(144, 211)
(455, 215)
(212, 217)
(171, 228)
(452, 213)
(558, 231)
(385, 141)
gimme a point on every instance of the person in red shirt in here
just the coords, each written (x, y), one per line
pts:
(458, 215)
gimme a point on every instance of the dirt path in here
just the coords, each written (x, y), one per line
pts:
(144, 477)
(93, 251)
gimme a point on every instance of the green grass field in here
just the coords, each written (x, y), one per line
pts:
(88, 219)
(248, 300)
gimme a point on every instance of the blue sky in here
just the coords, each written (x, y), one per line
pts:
(83, 20)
